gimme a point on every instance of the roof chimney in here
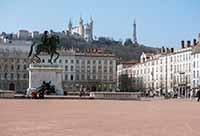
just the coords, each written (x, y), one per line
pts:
(194, 42)
(163, 50)
(199, 37)
(172, 50)
(182, 44)
(188, 44)
(168, 50)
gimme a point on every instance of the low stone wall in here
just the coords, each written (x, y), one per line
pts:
(7, 94)
(116, 95)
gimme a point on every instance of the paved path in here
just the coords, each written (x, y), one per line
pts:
(99, 118)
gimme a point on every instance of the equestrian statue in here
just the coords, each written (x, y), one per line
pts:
(47, 44)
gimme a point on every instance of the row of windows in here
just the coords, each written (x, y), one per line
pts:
(88, 69)
(13, 76)
(195, 64)
(178, 58)
(177, 68)
(196, 56)
(88, 77)
(18, 60)
(13, 67)
(17, 86)
(82, 61)
(157, 85)
(196, 83)
(195, 74)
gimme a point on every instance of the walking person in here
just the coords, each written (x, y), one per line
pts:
(198, 95)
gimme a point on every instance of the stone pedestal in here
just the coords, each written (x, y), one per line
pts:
(46, 72)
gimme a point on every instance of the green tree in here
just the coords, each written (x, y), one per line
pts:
(125, 84)
(128, 41)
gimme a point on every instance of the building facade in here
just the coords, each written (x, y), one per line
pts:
(13, 70)
(171, 71)
(92, 70)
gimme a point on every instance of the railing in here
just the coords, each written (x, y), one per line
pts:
(116, 95)
(7, 94)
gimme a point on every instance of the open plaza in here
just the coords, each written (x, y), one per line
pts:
(173, 117)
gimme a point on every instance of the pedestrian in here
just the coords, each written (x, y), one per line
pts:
(198, 95)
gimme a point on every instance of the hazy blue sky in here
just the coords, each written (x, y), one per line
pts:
(159, 22)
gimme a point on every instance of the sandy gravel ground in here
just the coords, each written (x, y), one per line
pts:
(99, 118)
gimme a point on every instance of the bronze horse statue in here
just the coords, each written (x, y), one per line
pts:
(48, 46)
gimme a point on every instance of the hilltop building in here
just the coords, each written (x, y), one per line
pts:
(83, 30)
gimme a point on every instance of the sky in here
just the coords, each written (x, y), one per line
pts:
(159, 22)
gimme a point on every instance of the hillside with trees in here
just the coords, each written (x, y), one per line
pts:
(125, 51)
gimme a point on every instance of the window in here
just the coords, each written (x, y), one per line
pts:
(111, 69)
(25, 67)
(83, 77)
(77, 77)
(99, 61)
(66, 68)
(66, 61)
(66, 77)
(77, 69)
(60, 61)
(12, 67)
(88, 77)
(193, 74)
(72, 77)
(99, 67)
(94, 61)
(72, 68)
(171, 59)
(105, 69)
(11, 75)
(43, 60)
(18, 67)
(24, 76)
(88, 62)
(193, 82)
(72, 61)
(94, 77)
(77, 61)
(18, 76)
(5, 75)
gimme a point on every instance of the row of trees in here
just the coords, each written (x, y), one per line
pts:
(130, 84)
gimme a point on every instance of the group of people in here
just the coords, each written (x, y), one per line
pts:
(83, 91)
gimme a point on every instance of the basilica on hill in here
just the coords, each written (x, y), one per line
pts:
(83, 30)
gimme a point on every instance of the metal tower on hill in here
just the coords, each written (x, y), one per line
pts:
(134, 33)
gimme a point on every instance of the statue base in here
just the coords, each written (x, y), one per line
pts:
(46, 72)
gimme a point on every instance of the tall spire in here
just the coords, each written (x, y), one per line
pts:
(81, 20)
(134, 33)
(91, 20)
(70, 22)
(69, 25)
